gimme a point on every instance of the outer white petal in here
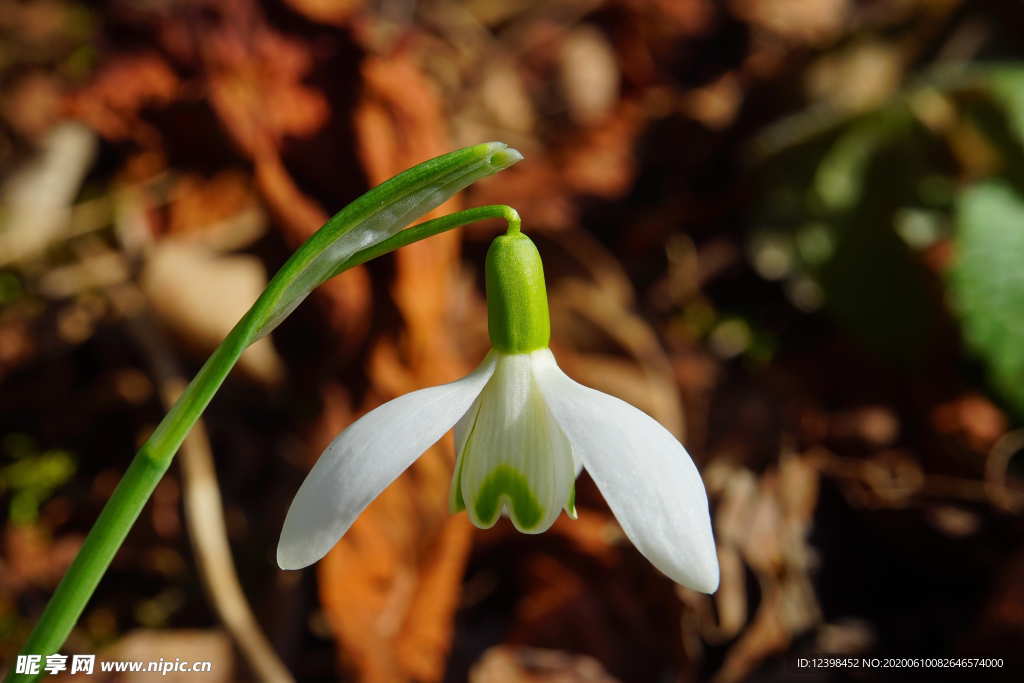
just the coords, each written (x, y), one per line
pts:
(645, 474)
(365, 458)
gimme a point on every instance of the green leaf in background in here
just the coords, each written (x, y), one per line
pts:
(987, 283)
(32, 477)
(1006, 83)
(841, 177)
(874, 284)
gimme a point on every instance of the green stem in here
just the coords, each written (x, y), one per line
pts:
(155, 456)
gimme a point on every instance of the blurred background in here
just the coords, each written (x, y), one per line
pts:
(791, 230)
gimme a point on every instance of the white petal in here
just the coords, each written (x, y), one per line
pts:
(513, 459)
(645, 474)
(365, 458)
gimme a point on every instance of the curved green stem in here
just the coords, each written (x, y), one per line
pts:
(155, 456)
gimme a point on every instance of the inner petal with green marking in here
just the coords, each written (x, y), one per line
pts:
(513, 457)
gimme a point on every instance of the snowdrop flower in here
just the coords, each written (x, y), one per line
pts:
(523, 432)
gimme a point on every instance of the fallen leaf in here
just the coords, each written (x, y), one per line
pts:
(599, 160)
(151, 645)
(255, 83)
(32, 105)
(333, 12)
(36, 199)
(589, 75)
(222, 211)
(112, 102)
(509, 664)
(200, 295)
(810, 22)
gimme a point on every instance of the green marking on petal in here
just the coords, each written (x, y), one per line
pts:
(570, 506)
(505, 484)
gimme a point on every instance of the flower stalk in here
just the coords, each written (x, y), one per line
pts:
(369, 227)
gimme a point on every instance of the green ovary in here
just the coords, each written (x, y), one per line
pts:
(506, 485)
(517, 301)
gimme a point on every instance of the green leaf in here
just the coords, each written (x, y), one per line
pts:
(1006, 83)
(987, 283)
(874, 284)
(841, 179)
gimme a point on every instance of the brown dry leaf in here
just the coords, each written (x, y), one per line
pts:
(973, 417)
(634, 383)
(401, 123)
(509, 664)
(333, 12)
(652, 31)
(767, 634)
(255, 82)
(112, 102)
(538, 190)
(34, 22)
(810, 22)
(652, 387)
(736, 490)
(16, 345)
(33, 558)
(688, 17)
(1002, 619)
(589, 75)
(35, 200)
(200, 295)
(765, 522)
(798, 488)
(595, 533)
(716, 104)
(504, 96)
(506, 664)
(870, 72)
(404, 553)
(600, 161)
(877, 425)
(221, 211)
(32, 104)
(763, 537)
(560, 605)
(151, 645)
